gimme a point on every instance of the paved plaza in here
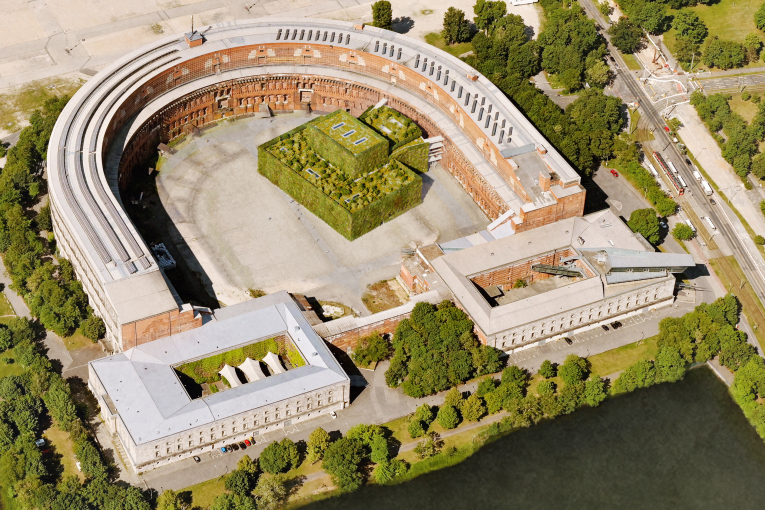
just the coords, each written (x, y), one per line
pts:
(239, 230)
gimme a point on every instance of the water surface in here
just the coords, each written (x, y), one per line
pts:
(672, 446)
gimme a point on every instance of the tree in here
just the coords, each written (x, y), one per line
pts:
(599, 75)
(342, 460)
(93, 328)
(752, 45)
(387, 471)
(690, 27)
(548, 369)
(43, 219)
(486, 385)
(594, 391)
(759, 17)
(416, 429)
(683, 232)
(453, 398)
(670, 365)
(318, 442)
(270, 492)
(429, 447)
(370, 349)
(487, 13)
(170, 500)
(280, 457)
(758, 239)
(233, 502)
(456, 27)
(425, 414)
(573, 370)
(242, 480)
(473, 408)
(382, 14)
(626, 36)
(448, 417)
(546, 388)
(645, 222)
(604, 8)
(653, 18)
(687, 51)
(724, 54)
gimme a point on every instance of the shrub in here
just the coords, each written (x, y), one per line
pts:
(416, 429)
(546, 388)
(448, 417)
(548, 369)
(93, 328)
(683, 232)
(758, 239)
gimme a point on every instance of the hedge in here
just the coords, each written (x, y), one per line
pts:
(206, 370)
(339, 151)
(414, 155)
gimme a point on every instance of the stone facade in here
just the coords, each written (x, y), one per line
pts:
(197, 440)
(658, 292)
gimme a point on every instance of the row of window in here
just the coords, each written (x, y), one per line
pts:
(246, 425)
(319, 34)
(562, 326)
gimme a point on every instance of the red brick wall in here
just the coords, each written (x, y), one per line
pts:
(350, 339)
(283, 93)
(159, 326)
(506, 276)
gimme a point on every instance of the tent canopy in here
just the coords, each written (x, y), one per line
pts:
(229, 373)
(251, 369)
(272, 360)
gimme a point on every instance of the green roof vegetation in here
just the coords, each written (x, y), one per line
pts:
(352, 194)
(352, 134)
(206, 370)
(394, 126)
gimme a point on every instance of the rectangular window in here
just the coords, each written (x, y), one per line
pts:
(332, 39)
(377, 46)
(325, 37)
(459, 92)
(279, 34)
(191, 443)
(302, 34)
(329, 400)
(467, 98)
(168, 451)
(385, 48)
(310, 34)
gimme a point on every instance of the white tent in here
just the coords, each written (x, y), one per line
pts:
(252, 370)
(229, 373)
(272, 360)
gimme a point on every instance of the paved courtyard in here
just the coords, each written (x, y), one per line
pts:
(239, 230)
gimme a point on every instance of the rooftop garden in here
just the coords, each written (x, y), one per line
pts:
(352, 194)
(206, 370)
(397, 128)
(345, 129)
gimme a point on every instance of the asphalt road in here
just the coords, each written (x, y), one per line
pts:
(663, 144)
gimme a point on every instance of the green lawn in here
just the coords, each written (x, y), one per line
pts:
(747, 109)
(729, 20)
(610, 362)
(7, 369)
(631, 61)
(77, 341)
(436, 40)
(18, 104)
(62, 445)
(5, 306)
(203, 494)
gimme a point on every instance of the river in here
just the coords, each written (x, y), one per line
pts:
(671, 446)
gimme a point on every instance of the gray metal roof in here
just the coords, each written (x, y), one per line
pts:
(152, 402)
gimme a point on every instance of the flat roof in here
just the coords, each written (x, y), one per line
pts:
(152, 402)
(352, 134)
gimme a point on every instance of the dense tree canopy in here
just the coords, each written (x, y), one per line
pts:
(456, 27)
(646, 223)
(626, 36)
(435, 349)
(689, 26)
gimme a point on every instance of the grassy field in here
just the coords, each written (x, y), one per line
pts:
(631, 61)
(203, 494)
(747, 109)
(733, 280)
(730, 20)
(17, 105)
(5, 306)
(610, 362)
(62, 445)
(6, 368)
(436, 40)
(77, 341)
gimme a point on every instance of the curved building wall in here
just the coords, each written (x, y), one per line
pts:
(175, 86)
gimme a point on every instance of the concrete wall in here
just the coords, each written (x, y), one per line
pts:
(659, 291)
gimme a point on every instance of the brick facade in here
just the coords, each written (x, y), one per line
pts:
(244, 96)
(159, 326)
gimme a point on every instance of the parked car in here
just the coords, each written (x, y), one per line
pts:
(242, 445)
(224, 449)
(40, 443)
(197, 459)
(568, 341)
(247, 442)
(234, 446)
(252, 441)
(712, 201)
(614, 173)
(333, 414)
(616, 325)
(605, 328)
